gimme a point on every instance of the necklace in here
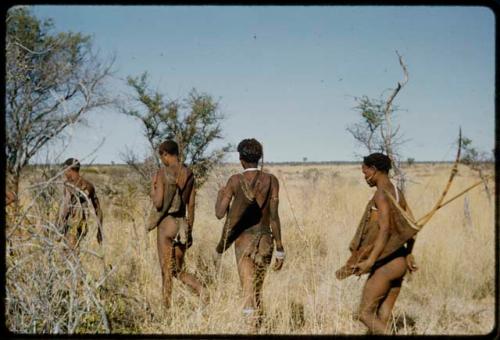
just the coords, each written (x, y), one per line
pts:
(250, 169)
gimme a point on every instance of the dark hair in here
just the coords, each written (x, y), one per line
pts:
(72, 163)
(379, 161)
(250, 150)
(170, 147)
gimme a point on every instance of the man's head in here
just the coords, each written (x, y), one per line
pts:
(169, 151)
(250, 151)
(373, 165)
(71, 169)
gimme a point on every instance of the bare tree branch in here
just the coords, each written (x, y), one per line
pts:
(52, 80)
(375, 131)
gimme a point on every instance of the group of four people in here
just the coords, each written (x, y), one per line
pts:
(249, 201)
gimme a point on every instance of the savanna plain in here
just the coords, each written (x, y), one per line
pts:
(116, 287)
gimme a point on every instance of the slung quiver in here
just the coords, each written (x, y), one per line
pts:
(401, 230)
(176, 195)
(242, 200)
(357, 256)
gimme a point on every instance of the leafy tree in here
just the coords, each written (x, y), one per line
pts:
(52, 80)
(375, 129)
(477, 161)
(366, 130)
(470, 155)
(194, 123)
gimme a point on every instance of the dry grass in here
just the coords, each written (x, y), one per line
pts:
(452, 293)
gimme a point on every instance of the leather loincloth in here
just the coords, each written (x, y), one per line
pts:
(259, 250)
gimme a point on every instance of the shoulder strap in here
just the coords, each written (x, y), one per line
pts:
(396, 191)
(248, 190)
(243, 181)
(252, 185)
(188, 187)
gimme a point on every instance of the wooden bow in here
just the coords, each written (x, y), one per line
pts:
(419, 223)
(423, 220)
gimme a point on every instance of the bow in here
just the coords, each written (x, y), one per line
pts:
(419, 223)
(423, 220)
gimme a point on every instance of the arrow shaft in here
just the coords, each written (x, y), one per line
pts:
(426, 216)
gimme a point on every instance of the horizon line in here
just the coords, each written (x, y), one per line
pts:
(267, 163)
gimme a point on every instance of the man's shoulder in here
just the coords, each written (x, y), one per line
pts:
(168, 171)
(86, 184)
(235, 178)
(380, 195)
(187, 169)
(271, 177)
(85, 181)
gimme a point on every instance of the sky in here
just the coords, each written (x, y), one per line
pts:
(289, 75)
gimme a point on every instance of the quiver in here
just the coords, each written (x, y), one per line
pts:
(362, 244)
(247, 201)
(175, 196)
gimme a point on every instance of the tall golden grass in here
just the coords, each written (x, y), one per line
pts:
(320, 206)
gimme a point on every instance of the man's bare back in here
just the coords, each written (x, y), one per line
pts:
(78, 193)
(253, 224)
(387, 247)
(173, 195)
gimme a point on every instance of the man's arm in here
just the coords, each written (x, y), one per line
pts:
(157, 189)
(191, 206)
(10, 197)
(410, 243)
(98, 212)
(382, 236)
(276, 224)
(64, 210)
(190, 218)
(274, 216)
(410, 260)
(224, 197)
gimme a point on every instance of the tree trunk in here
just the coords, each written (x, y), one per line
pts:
(467, 214)
(12, 184)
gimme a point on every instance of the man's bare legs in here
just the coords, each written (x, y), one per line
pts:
(377, 291)
(252, 276)
(246, 271)
(166, 232)
(74, 237)
(263, 260)
(186, 277)
(170, 255)
(260, 274)
(385, 308)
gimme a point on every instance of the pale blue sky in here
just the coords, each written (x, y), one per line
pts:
(288, 75)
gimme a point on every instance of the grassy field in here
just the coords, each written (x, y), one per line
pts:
(320, 207)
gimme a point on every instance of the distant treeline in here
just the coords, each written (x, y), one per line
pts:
(349, 163)
(291, 163)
